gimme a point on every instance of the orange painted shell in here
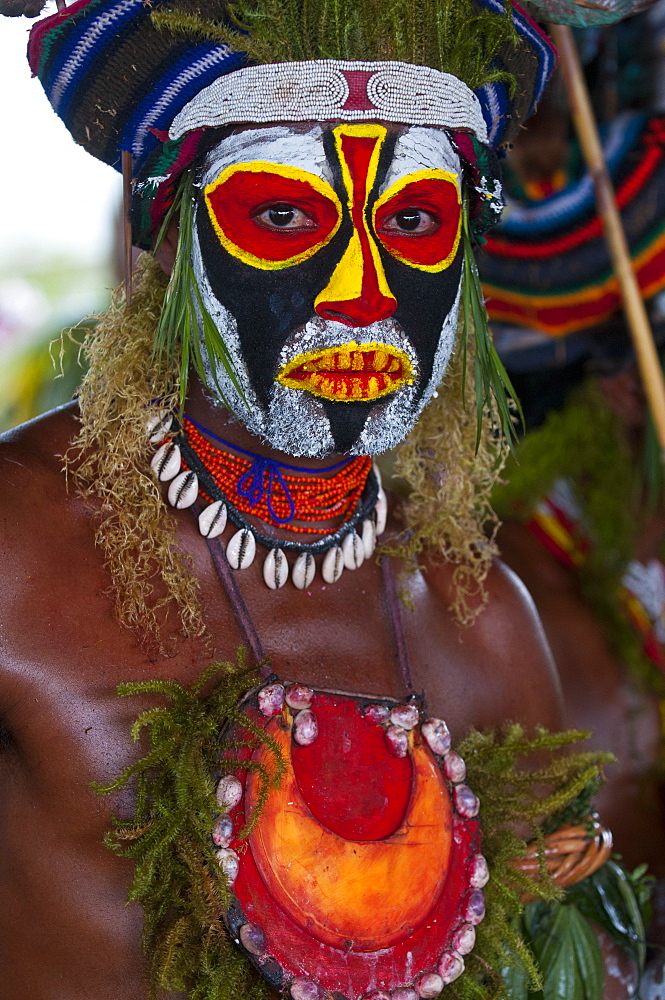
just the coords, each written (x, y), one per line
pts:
(362, 875)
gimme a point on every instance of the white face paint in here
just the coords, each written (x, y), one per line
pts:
(266, 312)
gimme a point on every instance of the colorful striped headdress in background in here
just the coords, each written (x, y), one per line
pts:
(546, 270)
(120, 73)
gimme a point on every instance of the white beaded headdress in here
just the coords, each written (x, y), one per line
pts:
(327, 89)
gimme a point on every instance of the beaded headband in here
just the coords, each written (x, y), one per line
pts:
(326, 89)
(118, 81)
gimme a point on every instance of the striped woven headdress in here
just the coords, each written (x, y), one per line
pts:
(547, 267)
(118, 81)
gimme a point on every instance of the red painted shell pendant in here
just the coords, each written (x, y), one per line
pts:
(363, 876)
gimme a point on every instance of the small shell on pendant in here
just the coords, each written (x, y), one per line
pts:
(333, 565)
(474, 911)
(479, 873)
(305, 728)
(306, 989)
(271, 699)
(381, 510)
(222, 831)
(454, 767)
(252, 939)
(275, 569)
(368, 535)
(212, 520)
(405, 716)
(228, 792)
(436, 735)
(166, 462)
(158, 426)
(298, 696)
(404, 993)
(464, 939)
(397, 740)
(429, 985)
(184, 489)
(241, 549)
(376, 713)
(354, 551)
(466, 803)
(303, 570)
(451, 967)
(229, 862)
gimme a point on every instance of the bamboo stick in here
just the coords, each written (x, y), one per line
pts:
(636, 314)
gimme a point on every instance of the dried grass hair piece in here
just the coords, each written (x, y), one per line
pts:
(450, 465)
(109, 461)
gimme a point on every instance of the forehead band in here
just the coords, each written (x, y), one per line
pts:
(326, 89)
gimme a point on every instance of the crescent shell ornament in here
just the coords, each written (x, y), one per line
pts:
(343, 896)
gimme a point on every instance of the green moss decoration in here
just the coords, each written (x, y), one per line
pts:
(453, 36)
(177, 878)
(178, 881)
(508, 770)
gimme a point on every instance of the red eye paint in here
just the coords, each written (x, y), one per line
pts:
(241, 193)
(439, 197)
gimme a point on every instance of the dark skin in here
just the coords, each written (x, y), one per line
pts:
(66, 932)
(63, 727)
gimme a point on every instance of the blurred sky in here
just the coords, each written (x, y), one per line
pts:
(56, 199)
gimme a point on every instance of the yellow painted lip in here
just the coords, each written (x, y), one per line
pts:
(349, 373)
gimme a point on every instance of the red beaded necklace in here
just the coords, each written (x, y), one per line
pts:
(258, 485)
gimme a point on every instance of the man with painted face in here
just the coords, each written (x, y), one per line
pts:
(303, 238)
(308, 821)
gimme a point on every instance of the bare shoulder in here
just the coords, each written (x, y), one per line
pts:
(507, 646)
(31, 459)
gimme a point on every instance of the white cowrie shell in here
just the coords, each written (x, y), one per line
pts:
(353, 551)
(184, 489)
(368, 538)
(166, 462)
(241, 549)
(275, 569)
(381, 512)
(159, 425)
(212, 520)
(303, 570)
(333, 565)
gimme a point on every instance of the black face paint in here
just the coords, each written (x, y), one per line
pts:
(271, 305)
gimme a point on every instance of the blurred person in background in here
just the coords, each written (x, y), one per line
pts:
(582, 501)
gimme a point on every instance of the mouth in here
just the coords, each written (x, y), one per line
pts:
(350, 373)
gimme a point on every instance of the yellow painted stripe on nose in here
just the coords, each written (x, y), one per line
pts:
(346, 281)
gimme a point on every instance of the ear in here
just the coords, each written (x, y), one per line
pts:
(166, 251)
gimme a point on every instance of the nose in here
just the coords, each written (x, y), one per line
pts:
(357, 293)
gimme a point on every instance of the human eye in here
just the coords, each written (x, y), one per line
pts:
(282, 216)
(411, 222)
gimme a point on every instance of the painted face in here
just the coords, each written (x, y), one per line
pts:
(330, 260)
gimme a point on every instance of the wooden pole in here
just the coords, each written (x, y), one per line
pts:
(126, 160)
(636, 314)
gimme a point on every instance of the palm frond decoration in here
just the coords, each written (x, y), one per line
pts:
(186, 330)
